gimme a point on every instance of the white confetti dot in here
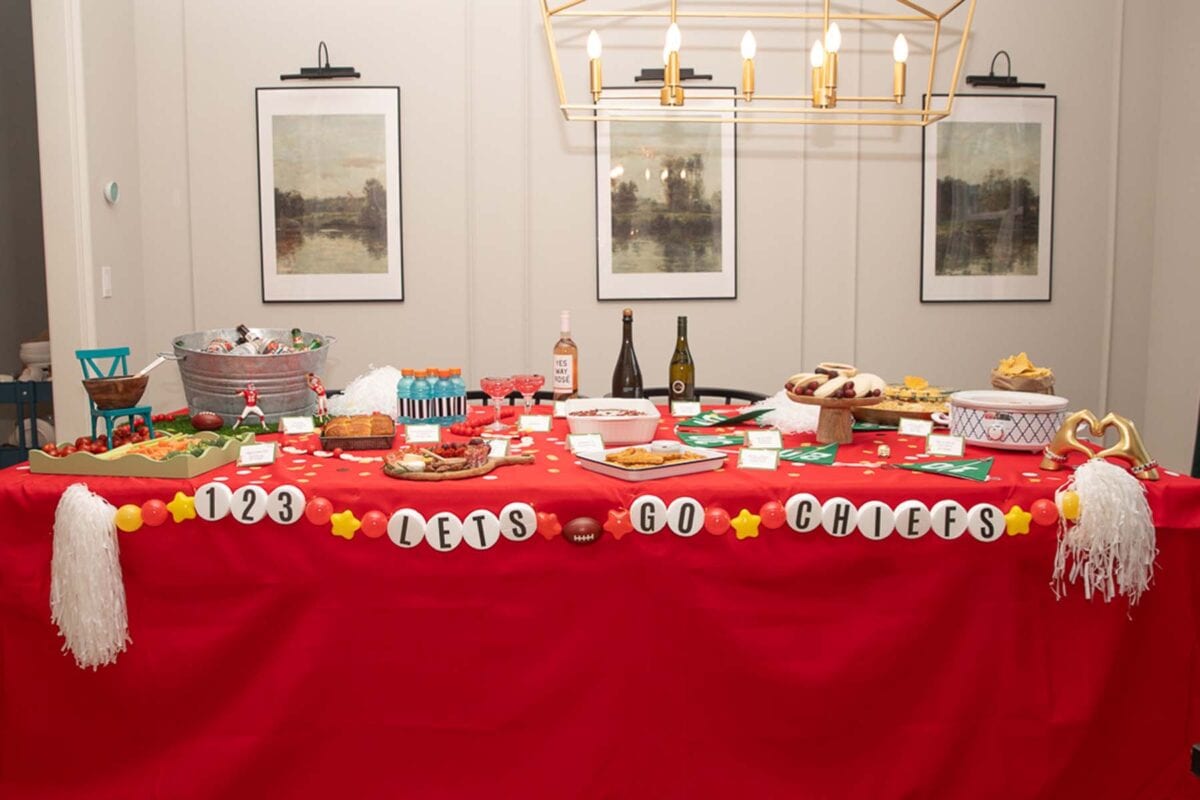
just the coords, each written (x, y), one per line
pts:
(490, 477)
(220, 478)
(25, 468)
(1172, 474)
(910, 458)
(1030, 474)
(297, 460)
(243, 472)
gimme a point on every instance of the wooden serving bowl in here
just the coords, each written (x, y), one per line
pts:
(112, 393)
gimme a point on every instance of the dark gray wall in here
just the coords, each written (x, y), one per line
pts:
(22, 262)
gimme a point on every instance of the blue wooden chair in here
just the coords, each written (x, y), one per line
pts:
(111, 362)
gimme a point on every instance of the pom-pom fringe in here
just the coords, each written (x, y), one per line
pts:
(1111, 547)
(87, 594)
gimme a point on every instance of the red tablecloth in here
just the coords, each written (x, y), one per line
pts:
(285, 662)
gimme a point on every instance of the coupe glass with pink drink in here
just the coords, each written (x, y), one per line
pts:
(528, 385)
(496, 388)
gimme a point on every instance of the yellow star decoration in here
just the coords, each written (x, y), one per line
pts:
(746, 524)
(345, 524)
(1017, 520)
(182, 507)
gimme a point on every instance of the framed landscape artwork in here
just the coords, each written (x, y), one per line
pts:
(988, 200)
(666, 205)
(329, 194)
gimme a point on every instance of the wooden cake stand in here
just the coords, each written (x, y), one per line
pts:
(836, 423)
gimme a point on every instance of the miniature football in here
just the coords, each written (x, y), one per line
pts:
(206, 421)
(582, 530)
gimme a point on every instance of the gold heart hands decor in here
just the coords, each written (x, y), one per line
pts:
(1129, 445)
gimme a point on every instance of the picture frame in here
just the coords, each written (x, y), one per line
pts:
(644, 250)
(329, 186)
(987, 200)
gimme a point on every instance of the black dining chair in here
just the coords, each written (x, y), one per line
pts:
(1196, 450)
(710, 393)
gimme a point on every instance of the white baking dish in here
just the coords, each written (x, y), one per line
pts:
(1005, 420)
(615, 430)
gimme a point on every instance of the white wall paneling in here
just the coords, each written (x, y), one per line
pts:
(499, 221)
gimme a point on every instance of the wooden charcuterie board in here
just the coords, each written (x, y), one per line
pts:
(456, 475)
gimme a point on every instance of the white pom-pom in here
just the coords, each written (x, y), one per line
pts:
(87, 595)
(373, 391)
(787, 415)
(1111, 547)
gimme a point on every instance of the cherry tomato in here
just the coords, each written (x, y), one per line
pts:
(50, 449)
(100, 448)
(81, 441)
(337, 452)
(68, 450)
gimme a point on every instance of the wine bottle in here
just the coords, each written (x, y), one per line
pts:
(627, 377)
(566, 362)
(683, 368)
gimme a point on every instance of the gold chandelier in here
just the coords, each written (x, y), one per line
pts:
(820, 105)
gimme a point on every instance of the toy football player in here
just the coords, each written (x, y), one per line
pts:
(318, 389)
(251, 409)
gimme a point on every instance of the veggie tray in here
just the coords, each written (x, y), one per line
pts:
(178, 456)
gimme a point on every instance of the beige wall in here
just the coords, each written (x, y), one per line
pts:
(499, 210)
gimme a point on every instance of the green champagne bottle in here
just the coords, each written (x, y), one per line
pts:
(627, 376)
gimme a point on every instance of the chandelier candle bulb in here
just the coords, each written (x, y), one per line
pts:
(817, 59)
(672, 91)
(749, 48)
(594, 49)
(833, 42)
(900, 68)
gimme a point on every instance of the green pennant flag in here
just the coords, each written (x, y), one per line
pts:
(824, 455)
(711, 419)
(712, 439)
(975, 469)
(859, 425)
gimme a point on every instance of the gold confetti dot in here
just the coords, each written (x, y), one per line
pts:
(531, 450)
(912, 447)
(553, 470)
(868, 472)
(310, 474)
(301, 480)
(364, 474)
(793, 474)
(551, 457)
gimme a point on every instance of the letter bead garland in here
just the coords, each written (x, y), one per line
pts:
(949, 519)
(444, 532)
(518, 521)
(839, 517)
(213, 501)
(406, 528)
(648, 514)
(685, 516)
(876, 520)
(913, 519)
(249, 504)
(481, 529)
(285, 505)
(985, 522)
(803, 513)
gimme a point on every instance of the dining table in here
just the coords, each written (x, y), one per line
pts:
(761, 654)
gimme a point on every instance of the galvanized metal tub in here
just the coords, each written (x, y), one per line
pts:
(212, 381)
